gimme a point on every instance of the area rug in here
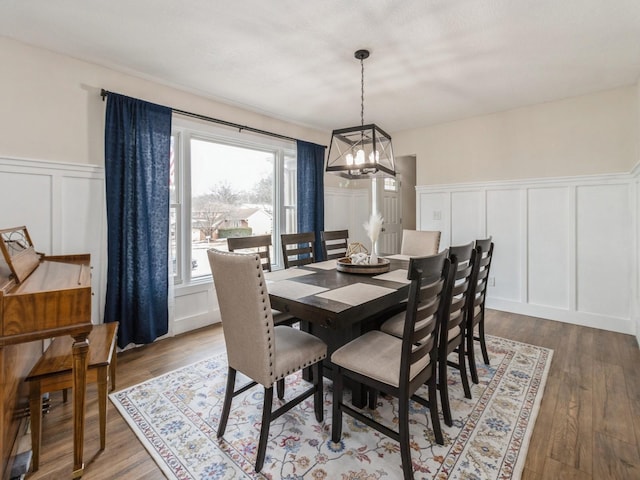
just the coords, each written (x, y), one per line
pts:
(176, 415)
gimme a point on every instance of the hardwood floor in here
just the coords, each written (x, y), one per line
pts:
(588, 426)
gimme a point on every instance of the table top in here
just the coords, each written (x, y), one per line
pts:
(320, 294)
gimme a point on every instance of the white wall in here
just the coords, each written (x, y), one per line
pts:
(586, 135)
(565, 248)
(347, 208)
(52, 109)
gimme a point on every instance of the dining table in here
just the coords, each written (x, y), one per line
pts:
(338, 306)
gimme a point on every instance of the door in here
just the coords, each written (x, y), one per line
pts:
(390, 206)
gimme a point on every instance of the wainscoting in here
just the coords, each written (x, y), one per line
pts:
(346, 208)
(62, 206)
(566, 248)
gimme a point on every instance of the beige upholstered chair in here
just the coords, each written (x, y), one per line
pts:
(334, 243)
(418, 243)
(452, 329)
(399, 366)
(475, 313)
(255, 347)
(298, 248)
(261, 244)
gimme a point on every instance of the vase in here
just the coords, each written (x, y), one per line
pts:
(373, 258)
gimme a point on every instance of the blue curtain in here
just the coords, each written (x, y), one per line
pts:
(310, 178)
(137, 148)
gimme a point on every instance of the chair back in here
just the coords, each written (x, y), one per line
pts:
(419, 243)
(298, 248)
(431, 279)
(335, 244)
(259, 244)
(453, 324)
(245, 311)
(480, 278)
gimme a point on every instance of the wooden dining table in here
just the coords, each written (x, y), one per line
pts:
(337, 306)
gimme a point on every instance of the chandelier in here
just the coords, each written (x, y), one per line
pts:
(362, 151)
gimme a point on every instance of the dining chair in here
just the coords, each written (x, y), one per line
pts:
(452, 328)
(255, 347)
(475, 312)
(261, 244)
(399, 366)
(334, 243)
(298, 248)
(418, 243)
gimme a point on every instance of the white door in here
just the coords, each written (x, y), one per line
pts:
(390, 206)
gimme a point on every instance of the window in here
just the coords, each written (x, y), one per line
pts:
(390, 184)
(226, 184)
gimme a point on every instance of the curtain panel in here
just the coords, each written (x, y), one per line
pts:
(137, 149)
(310, 179)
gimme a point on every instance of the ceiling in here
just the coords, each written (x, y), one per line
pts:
(432, 61)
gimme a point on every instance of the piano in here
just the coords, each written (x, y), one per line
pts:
(40, 297)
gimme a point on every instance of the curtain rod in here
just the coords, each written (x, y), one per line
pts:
(104, 93)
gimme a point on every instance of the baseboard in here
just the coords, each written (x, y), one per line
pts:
(602, 322)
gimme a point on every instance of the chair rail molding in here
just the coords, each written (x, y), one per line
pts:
(63, 205)
(566, 248)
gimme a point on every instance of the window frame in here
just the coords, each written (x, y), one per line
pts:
(183, 132)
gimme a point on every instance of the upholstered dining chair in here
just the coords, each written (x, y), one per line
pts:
(255, 347)
(260, 244)
(334, 243)
(298, 248)
(399, 366)
(452, 328)
(418, 243)
(475, 313)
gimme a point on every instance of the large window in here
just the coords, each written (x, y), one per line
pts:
(226, 184)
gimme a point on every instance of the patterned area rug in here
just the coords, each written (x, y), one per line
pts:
(176, 417)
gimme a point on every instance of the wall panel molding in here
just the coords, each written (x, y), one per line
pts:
(566, 248)
(63, 206)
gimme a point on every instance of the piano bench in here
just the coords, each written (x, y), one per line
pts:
(54, 372)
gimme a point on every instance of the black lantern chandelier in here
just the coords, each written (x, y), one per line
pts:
(363, 151)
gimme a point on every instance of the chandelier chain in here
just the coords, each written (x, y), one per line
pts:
(361, 92)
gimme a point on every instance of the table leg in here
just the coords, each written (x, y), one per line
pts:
(80, 363)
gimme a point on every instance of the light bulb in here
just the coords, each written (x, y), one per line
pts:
(376, 158)
(349, 159)
(360, 157)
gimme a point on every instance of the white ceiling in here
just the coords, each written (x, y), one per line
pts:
(432, 61)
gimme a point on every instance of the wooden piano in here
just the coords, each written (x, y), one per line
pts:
(40, 297)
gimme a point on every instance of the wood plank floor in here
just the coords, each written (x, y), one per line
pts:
(588, 426)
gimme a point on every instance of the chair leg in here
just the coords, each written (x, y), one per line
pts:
(318, 399)
(403, 430)
(280, 388)
(264, 429)
(228, 395)
(444, 391)
(463, 370)
(472, 357)
(433, 410)
(483, 343)
(373, 398)
(336, 427)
